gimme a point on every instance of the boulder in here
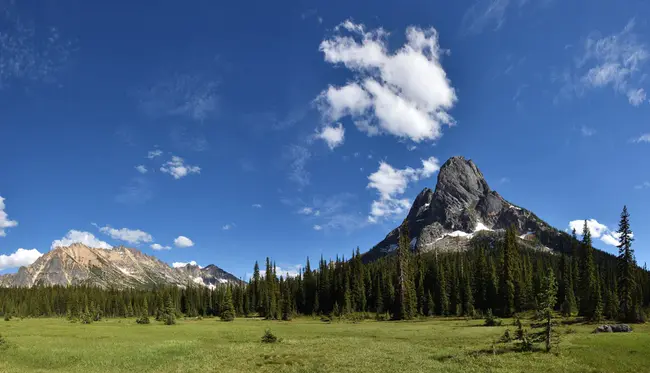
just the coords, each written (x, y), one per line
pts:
(615, 328)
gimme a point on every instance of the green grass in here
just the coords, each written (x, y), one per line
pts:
(308, 345)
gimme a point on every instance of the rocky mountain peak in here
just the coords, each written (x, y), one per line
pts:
(461, 205)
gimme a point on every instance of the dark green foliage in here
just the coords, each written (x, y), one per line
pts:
(506, 337)
(588, 279)
(7, 317)
(406, 307)
(490, 319)
(509, 272)
(626, 269)
(228, 309)
(547, 300)
(269, 337)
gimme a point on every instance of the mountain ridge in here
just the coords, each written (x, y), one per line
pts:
(463, 207)
(119, 267)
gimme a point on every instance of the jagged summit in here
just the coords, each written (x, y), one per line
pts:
(118, 267)
(461, 205)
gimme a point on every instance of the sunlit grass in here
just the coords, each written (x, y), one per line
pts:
(308, 345)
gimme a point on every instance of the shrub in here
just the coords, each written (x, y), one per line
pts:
(169, 319)
(144, 319)
(382, 316)
(7, 317)
(3, 341)
(86, 318)
(491, 320)
(269, 337)
(506, 337)
(325, 318)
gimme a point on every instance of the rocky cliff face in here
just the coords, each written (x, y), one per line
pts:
(462, 208)
(119, 267)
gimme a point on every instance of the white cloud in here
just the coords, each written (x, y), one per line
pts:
(183, 264)
(391, 183)
(317, 227)
(586, 131)
(597, 230)
(228, 227)
(405, 93)
(615, 61)
(4, 219)
(29, 52)
(141, 169)
(154, 153)
(132, 236)
(20, 258)
(644, 185)
(178, 169)
(85, 238)
(636, 96)
(182, 242)
(333, 136)
(298, 157)
(157, 246)
(288, 271)
(643, 138)
(257, 206)
(484, 13)
(309, 211)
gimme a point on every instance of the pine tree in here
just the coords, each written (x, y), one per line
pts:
(169, 312)
(568, 306)
(626, 269)
(430, 305)
(406, 297)
(443, 295)
(509, 272)
(287, 303)
(227, 309)
(468, 297)
(587, 275)
(548, 298)
(144, 317)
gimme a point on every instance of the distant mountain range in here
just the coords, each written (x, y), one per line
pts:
(463, 209)
(119, 267)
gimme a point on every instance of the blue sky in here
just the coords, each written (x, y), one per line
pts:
(223, 133)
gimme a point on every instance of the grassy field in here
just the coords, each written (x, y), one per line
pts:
(439, 345)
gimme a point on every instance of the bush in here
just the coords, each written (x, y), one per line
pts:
(7, 317)
(506, 337)
(491, 320)
(325, 318)
(3, 341)
(144, 319)
(86, 318)
(383, 316)
(169, 319)
(269, 337)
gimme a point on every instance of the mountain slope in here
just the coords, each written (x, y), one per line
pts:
(119, 267)
(462, 208)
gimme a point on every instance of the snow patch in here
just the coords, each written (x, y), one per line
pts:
(223, 281)
(426, 205)
(199, 281)
(481, 227)
(515, 207)
(523, 236)
(414, 242)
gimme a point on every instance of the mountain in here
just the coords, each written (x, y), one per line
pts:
(119, 267)
(463, 209)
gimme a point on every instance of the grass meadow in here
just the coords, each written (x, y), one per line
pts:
(308, 345)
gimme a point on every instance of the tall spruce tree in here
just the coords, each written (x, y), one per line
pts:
(548, 298)
(587, 275)
(227, 309)
(626, 269)
(509, 273)
(406, 302)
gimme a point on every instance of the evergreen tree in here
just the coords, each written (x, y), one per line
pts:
(144, 316)
(430, 305)
(626, 269)
(568, 306)
(443, 295)
(509, 272)
(406, 297)
(227, 309)
(548, 298)
(587, 275)
(169, 312)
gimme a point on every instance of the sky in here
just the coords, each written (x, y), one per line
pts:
(225, 132)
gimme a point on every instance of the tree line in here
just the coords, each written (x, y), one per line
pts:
(499, 275)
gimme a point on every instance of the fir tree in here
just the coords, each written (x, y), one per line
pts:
(430, 305)
(406, 297)
(227, 309)
(626, 269)
(587, 275)
(548, 298)
(508, 272)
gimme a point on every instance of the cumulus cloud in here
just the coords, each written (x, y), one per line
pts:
(141, 169)
(597, 230)
(183, 242)
(157, 246)
(154, 153)
(184, 264)
(19, 258)
(616, 61)
(406, 93)
(332, 135)
(5, 222)
(178, 169)
(309, 211)
(317, 227)
(289, 270)
(390, 183)
(85, 238)
(132, 236)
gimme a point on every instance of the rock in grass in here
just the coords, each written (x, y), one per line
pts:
(616, 328)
